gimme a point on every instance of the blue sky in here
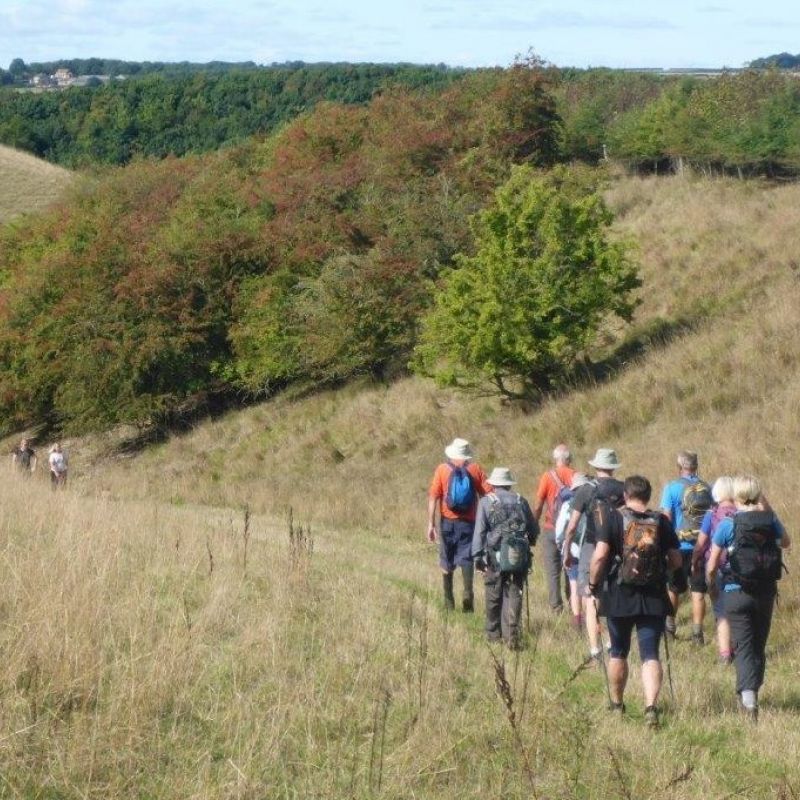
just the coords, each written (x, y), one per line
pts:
(626, 33)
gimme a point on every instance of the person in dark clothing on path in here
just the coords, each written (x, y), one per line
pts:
(454, 491)
(752, 539)
(24, 458)
(642, 548)
(502, 517)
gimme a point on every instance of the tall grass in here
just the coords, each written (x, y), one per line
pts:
(28, 184)
(144, 658)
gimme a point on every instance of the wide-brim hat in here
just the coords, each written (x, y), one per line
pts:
(605, 458)
(501, 476)
(458, 450)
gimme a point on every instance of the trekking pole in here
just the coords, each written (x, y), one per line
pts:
(669, 669)
(527, 605)
(603, 656)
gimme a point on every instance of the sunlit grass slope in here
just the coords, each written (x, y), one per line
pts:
(27, 183)
(143, 658)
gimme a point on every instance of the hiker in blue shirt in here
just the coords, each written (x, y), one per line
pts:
(685, 502)
(753, 539)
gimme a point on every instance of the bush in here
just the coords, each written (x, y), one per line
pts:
(519, 312)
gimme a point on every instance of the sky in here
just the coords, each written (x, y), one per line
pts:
(624, 33)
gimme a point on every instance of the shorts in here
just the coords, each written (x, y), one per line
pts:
(455, 543)
(679, 582)
(587, 551)
(649, 630)
(572, 572)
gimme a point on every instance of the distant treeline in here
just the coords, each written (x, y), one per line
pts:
(777, 61)
(183, 112)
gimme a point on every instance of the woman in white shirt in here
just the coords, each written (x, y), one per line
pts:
(58, 466)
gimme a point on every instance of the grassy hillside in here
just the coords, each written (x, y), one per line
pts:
(27, 183)
(150, 661)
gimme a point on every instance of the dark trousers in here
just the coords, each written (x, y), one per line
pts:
(750, 617)
(553, 569)
(503, 597)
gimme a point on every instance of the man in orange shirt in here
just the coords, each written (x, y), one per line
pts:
(457, 485)
(550, 484)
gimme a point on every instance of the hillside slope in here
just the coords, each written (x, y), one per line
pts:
(165, 653)
(27, 183)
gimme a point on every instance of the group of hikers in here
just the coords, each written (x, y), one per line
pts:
(25, 461)
(617, 558)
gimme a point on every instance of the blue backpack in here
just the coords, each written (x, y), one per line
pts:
(460, 490)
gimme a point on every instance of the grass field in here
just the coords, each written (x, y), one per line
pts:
(28, 184)
(152, 649)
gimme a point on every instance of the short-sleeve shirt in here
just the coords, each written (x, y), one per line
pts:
(58, 463)
(441, 479)
(672, 501)
(723, 537)
(623, 600)
(548, 490)
(585, 494)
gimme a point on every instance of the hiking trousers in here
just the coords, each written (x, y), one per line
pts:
(503, 598)
(750, 617)
(553, 569)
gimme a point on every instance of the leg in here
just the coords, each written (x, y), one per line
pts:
(447, 553)
(551, 561)
(619, 629)
(649, 630)
(724, 640)
(765, 604)
(592, 625)
(493, 598)
(468, 602)
(513, 587)
(740, 611)
(463, 558)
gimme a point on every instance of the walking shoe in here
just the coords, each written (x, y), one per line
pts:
(467, 605)
(595, 659)
(725, 660)
(651, 717)
(751, 713)
(698, 638)
(447, 585)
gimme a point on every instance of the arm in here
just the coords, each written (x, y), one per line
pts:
(531, 523)
(433, 504)
(713, 563)
(34, 462)
(666, 504)
(478, 551)
(541, 497)
(699, 551)
(674, 559)
(569, 535)
(597, 568)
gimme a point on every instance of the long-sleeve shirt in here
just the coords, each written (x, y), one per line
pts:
(481, 538)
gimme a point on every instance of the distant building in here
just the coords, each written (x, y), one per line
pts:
(63, 77)
(41, 80)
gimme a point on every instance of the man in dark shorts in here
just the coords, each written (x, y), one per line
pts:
(456, 526)
(643, 549)
(24, 458)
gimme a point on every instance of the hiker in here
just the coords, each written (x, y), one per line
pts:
(575, 598)
(604, 487)
(58, 466)
(24, 458)
(505, 531)
(753, 538)
(685, 501)
(456, 486)
(642, 548)
(551, 484)
(722, 492)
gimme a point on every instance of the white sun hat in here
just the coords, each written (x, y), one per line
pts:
(606, 459)
(501, 476)
(458, 450)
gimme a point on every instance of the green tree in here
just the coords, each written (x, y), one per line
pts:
(544, 277)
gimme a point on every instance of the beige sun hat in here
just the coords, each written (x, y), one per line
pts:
(458, 450)
(501, 476)
(605, 458)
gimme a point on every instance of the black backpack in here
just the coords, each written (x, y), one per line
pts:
(754, 557)
(607, 497)
(641, 562)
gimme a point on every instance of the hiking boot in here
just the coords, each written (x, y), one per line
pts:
(467, 605)
(725, 660)
(616, 709)
(447, 585)
(595, 660)
(698, 639)
(651, 717)
(468, 602)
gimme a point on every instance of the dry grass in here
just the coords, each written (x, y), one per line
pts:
(28, 184)
(132, 668)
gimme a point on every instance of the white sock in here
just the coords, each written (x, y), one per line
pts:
(749, 698)
(595, 651)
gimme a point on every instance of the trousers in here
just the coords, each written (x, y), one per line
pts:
(750, 618)
(553, 569)
(503, 598)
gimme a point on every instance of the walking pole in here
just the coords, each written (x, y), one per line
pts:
(527, 605)
(669, 669)
(603, 657)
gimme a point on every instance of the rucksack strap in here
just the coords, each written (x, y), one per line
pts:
(559, 483)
